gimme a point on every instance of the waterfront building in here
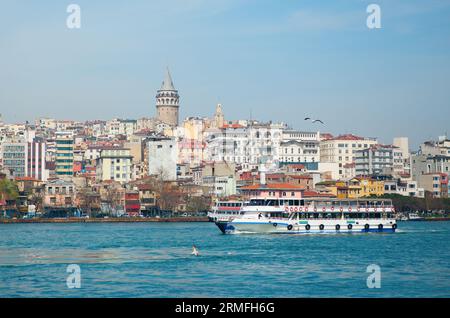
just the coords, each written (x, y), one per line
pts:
(132, 203)
(168, 102)
(341, 149)
(407, 188)
(59, 193)
(435, 183)
(114, 164)
(147, 198)
(64, 153)
(162, 157)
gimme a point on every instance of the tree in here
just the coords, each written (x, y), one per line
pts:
(87, 200)
(8, 190)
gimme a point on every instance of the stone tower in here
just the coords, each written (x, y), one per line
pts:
(168, 102)
(218, 116)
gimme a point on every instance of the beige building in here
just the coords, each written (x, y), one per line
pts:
(341, 150)
(114, 164)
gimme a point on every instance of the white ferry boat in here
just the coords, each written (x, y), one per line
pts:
(225, 210)
(311, 215)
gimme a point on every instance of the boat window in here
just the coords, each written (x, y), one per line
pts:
(302, 202)
(296, 202)
(291, 202)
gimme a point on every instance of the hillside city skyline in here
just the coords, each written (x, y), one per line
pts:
(278, 62)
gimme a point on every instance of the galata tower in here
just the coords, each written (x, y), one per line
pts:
(168, 102)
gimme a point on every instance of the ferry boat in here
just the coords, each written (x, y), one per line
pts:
(225, 210)
(311, 215)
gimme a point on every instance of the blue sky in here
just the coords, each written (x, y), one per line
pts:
(277, 60)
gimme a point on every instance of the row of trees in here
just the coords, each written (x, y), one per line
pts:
(404, 203)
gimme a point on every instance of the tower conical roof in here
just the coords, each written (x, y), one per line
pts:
(167, 84)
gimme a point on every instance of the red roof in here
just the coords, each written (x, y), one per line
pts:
(26, 179)
(300, 177)
(346, 137)
(272, 186)
(232, 126)
(316, 194)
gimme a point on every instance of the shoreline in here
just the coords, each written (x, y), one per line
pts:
(151, 220)
(109, 220)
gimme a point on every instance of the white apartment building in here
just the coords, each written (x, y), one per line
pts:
(117, 126)
(300, 147)
(378, 159)
(162, 157)
(24, 159)
(247, 146)
(114, 164)
(341, 149)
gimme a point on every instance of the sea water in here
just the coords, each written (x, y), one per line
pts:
(155, 260)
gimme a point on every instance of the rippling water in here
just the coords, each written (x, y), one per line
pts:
(154, 260)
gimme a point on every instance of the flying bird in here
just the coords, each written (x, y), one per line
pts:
(314, 120)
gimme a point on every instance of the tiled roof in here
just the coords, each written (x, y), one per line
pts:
(346, 137)
(272, 186)
(306, 177)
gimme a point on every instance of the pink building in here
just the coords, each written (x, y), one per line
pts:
(273, 191)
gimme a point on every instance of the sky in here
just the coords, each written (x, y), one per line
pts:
(261, 59)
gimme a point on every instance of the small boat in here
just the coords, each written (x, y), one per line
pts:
(414, 217)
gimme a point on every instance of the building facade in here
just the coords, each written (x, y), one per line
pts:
(64, 153)
(25, 159)
(374, 160)
(114, 164)
(162, 157)
(341, 149)
(300, 147)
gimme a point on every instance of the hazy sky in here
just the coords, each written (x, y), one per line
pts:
(277, 60)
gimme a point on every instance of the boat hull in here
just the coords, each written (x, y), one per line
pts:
(306, 227)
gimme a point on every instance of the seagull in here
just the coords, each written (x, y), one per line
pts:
(195, 251)
(314, 120)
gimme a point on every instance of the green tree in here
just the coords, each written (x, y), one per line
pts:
(8, 190)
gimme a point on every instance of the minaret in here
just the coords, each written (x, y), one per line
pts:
(218, 116)
(167, 102)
